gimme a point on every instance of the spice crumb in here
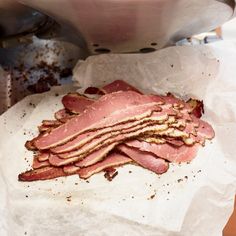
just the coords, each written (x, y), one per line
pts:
(68, 199)
(179, 180)
(152, 196)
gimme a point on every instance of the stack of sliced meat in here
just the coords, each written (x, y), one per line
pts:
(122, 126)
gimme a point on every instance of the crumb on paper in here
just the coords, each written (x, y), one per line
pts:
(68, 199)
(152, 196)
(179, 180)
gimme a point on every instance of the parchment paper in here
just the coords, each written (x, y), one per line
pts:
(190, 199)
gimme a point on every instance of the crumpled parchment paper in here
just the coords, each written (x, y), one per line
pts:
(190, 199)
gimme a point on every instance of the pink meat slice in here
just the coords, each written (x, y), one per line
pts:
(95, 156)
(119, 85)
(48, 125)
(174, 142)
(94, 90)
(30, 145)
(197, 107)
(125, 133)
(41, 174)
(62, 115)
(75, 156)
(112, 160)
(76, 103)
(43, 156)
(204, 131)
(39, 164)
(115, 86)
(145, 159)
(139, 115)
(44, 128)
(53, 123)
(112, 137)
(70, 169)
(166, 151)
(171, 99)
(93, 117)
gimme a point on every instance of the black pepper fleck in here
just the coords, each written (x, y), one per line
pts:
(152, 196)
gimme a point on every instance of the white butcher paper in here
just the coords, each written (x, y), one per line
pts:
(190, 199)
